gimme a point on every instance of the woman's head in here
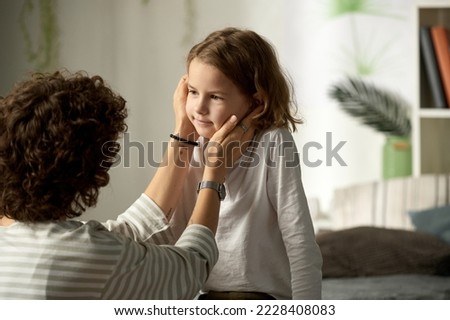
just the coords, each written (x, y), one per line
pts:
(53, 133)
(250, 63)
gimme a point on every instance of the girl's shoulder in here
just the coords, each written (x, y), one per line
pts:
(277, 135)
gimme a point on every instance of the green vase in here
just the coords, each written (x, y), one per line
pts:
(397, 157)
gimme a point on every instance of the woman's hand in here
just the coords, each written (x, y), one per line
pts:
(229, 143)
(183, 126)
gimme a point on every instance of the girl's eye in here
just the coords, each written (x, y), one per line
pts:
(214, 97)
(190, 91)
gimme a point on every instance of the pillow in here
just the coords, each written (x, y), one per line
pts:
(372, 251)
(435, 221)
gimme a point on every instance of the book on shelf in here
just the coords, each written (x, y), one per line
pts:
(431, 68)
(439, 36)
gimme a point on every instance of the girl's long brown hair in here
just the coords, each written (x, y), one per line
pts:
(251, 63)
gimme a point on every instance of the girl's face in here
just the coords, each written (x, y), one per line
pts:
(212, 98)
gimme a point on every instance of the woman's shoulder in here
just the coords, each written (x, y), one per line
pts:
(92, 231)
(67, 232)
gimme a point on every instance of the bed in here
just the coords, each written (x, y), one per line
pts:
(391, 241)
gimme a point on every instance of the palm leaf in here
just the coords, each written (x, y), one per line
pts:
(380, 109)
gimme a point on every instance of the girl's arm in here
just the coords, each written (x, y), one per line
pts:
(288, 197)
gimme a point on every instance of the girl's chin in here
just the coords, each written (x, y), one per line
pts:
(205, 133)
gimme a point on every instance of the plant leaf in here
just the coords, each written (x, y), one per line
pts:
(380, 109)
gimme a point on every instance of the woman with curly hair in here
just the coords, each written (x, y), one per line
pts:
(54, 129)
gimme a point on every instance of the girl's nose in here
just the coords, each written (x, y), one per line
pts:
(200, 106)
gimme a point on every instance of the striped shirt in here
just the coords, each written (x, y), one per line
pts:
(120, 259)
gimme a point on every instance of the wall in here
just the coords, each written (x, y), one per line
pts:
(322, 50)
(139, 48)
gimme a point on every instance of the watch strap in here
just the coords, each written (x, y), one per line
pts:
(219, 187)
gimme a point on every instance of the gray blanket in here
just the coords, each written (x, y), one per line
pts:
(372, 251)
(392, 287)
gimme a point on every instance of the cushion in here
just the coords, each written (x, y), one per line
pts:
(371, 251)
(435, 221)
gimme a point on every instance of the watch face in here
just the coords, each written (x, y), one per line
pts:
(222, 192)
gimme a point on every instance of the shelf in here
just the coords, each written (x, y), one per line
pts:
(434, 113)
(430, 126)
(435, 145)
(429, 15)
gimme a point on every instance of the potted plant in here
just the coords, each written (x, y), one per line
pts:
(383, 111)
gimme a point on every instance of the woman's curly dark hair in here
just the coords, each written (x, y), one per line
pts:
(54, 129)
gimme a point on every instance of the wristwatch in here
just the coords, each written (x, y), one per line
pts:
(219, 187)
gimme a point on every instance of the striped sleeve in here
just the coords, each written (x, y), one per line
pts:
(143, 221)
(147, 271)
(199, 238)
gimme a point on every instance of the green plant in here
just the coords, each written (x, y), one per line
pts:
(338, 8)
(44, 54)
(380, 109)
(341, 7)
(358, 50)
(190, 20)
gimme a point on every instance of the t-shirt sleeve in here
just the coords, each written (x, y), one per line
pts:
(288, 198)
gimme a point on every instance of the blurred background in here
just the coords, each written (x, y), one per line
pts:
(139, 47)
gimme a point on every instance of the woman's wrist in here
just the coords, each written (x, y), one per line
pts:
(214, 173)
(186, 130)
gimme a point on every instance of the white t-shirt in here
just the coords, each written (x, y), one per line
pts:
(265, 235)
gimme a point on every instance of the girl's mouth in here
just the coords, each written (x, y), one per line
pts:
(202, 123)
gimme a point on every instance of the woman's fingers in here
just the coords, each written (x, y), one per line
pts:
(232, 130)
(246, 125)
(225, 130)
(232, 139)
(183, 125)
(181, 91)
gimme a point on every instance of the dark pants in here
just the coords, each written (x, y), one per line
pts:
(234, 295)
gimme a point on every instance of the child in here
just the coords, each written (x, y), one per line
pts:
(265, 236)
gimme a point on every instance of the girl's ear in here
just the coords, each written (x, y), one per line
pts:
(257, 100)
